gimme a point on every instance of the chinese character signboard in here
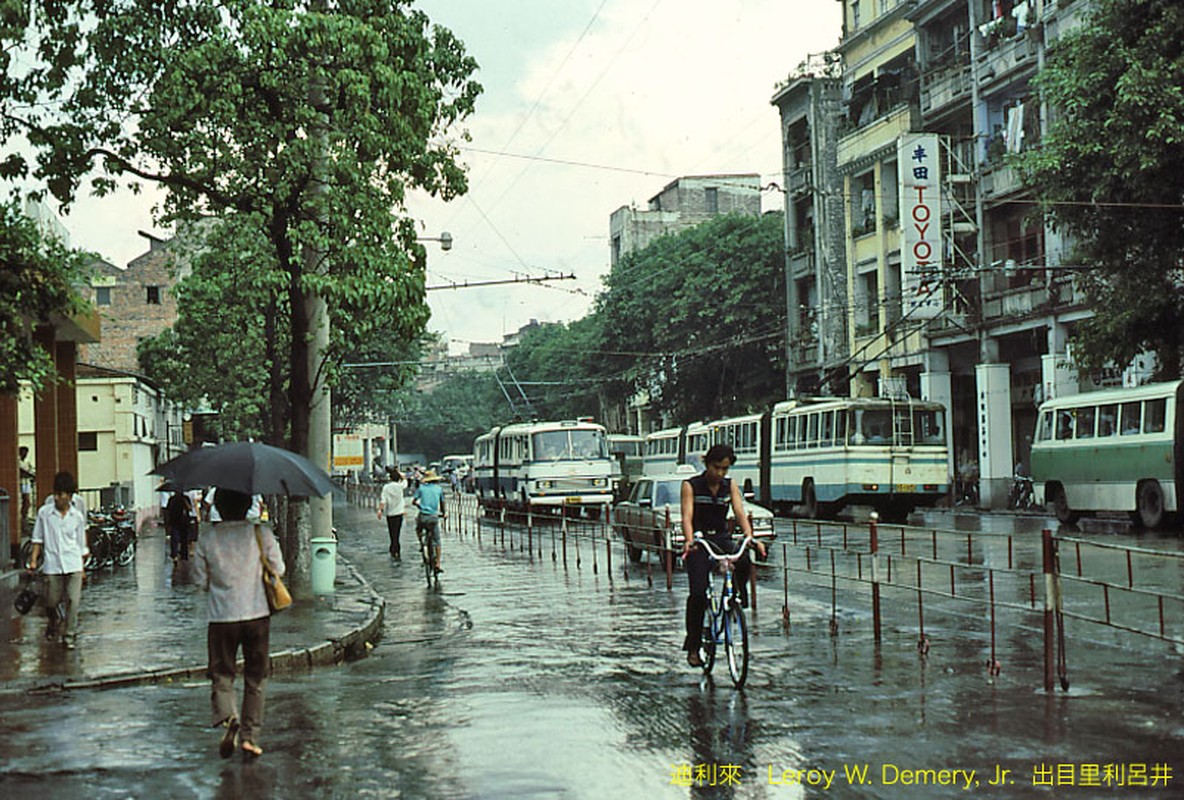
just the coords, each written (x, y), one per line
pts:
(347, 451)
(920, 222)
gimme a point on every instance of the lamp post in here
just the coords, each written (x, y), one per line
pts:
(445, 240)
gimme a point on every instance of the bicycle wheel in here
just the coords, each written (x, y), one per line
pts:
(736, 644)
(707, 646)
(127, 550)
(425, 552)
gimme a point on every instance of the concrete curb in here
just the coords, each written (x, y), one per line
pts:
(353, 644)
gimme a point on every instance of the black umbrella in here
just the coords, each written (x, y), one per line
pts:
(247, 467)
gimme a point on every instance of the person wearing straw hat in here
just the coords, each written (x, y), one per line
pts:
(429, 499)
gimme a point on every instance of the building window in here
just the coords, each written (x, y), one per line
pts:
(855, 14)
(712, 200)
(153, 298)
(88, 441)
(102, 295)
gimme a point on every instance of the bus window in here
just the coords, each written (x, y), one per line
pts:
(791, 433)
(1107, 419)
(1044, 427)
(1130, 418)
(928, 428)
(812, 430)
(1085, 422)
(1154, 415)
(1064, 424)
(840, 427)
(876, 426)
(828, 429)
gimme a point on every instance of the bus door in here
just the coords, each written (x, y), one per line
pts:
(902, 478)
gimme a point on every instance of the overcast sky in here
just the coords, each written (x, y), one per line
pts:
(593, 104)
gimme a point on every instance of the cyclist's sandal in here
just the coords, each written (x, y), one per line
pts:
(251, 750)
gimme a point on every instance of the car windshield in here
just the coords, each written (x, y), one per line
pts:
(667, 493)
(569, 445)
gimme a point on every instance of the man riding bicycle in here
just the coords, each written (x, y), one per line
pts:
(429, 498)
(705, 502)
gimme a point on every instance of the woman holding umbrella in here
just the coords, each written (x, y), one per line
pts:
(228, 564)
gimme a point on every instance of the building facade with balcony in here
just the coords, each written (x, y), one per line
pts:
(815, 245)
(988, 335)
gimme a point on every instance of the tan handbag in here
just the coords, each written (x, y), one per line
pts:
(278, 597)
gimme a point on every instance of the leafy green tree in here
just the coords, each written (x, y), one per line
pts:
(697, 319)
(558, 365)
(39, 277)
(308, 121)
(1108, 172)
(448, 419)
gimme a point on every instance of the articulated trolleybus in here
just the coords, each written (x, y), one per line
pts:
(821, 454)
(544, 466)
(886, 453)
(1112, 450)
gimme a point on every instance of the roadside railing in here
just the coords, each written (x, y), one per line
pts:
(1003, 580)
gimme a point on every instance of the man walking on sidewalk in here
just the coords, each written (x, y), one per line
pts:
(60, 533)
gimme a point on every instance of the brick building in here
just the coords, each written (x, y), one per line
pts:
(134, 304)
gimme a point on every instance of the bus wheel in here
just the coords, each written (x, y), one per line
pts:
(1150, 504)
(1060, 505)
(809, 499)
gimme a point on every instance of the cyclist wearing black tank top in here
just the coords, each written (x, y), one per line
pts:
(705, 502)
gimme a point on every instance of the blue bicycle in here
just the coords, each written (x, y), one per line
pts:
(723, 621)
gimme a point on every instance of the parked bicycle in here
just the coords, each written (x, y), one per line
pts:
(111, 539)
(1021, 497)
(723, 621)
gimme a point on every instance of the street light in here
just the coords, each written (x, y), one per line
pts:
(445, 240)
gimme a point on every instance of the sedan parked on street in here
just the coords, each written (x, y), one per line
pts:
(651, 518)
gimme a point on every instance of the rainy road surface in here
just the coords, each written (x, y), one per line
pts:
(522, 678)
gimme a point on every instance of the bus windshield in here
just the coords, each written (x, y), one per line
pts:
(569, 445)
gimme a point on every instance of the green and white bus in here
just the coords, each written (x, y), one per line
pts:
(1111, 450)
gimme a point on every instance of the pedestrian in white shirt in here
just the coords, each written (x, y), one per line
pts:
(394, 504)
(60, 535)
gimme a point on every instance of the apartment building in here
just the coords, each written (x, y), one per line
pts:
(954, 290)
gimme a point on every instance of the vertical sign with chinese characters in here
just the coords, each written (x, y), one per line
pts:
(920, 220)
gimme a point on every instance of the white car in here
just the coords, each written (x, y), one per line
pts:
(651, 519)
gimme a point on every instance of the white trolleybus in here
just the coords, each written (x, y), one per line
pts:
(826, 453)
(544, 466)
(1111, 450)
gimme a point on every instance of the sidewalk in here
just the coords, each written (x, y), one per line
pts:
(146, 623)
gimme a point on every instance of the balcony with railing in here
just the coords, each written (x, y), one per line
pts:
(999, 180)
(801, 180)
(945, 86)
(1032, 299)
(801, 263)
(1006, 51)
(876, 135)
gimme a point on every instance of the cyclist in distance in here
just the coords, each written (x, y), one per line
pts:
(429, 498)
(705, 501)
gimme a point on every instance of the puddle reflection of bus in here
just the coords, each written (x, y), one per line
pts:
(544, 466)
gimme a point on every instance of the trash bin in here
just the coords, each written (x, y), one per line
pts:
(324, 564)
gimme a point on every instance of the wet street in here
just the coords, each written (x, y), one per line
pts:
(522, 677)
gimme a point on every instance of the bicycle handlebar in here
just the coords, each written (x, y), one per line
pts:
(718, 556)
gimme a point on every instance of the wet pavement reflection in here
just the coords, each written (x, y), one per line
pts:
(525, 677)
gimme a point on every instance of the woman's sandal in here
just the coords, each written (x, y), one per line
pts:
(229, 737)
(251, 750)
